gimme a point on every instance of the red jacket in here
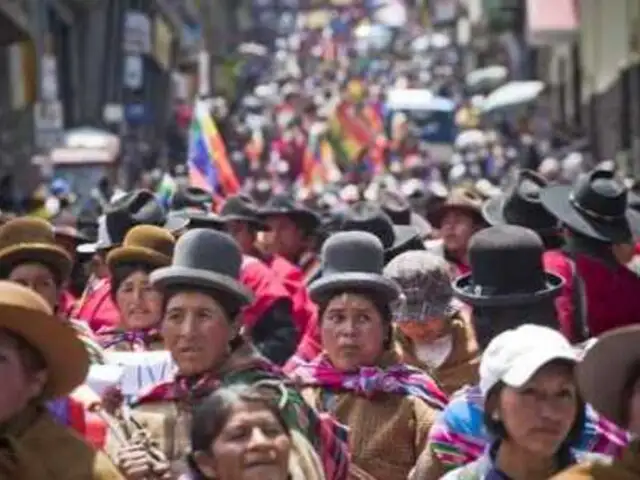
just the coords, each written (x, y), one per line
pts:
(266, 288)
(96, 306)
(612, 293)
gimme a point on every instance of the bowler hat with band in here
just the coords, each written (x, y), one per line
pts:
(596, 206)
(521, 205)
(207, 259)
(242, 209)
(145, 244)
(27, 315)
(353, 261)
(28, 239)
(519, 279)
(284, 205)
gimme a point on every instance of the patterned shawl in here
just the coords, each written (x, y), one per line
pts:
(459, 436)
(397, 378)
(246, 366)
(138, 340)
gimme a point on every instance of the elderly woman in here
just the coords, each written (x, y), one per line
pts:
(609, 379)
(145, 248)
(200, 326)
(42, 359)
(30, 256)
(532, 406)
(239, 434)
(432, 333)
(388, 406)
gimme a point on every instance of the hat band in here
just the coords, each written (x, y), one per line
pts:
(591, 213)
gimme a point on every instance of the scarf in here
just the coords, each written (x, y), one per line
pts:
(398, 379)
(138, 340)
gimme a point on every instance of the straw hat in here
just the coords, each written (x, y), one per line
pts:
(145, 244)
(26, 314)
(28, 239)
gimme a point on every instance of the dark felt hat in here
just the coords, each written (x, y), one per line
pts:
(595, 206)
(399, 210)
(520, 278)
(209, 259)
(241, 208)
(368, 217)
(521, 205)
(353, 261)
(283, 204)
(188, 197)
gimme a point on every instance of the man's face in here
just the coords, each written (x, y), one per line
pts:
(456, 230)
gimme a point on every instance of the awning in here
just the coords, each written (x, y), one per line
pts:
(551, 22)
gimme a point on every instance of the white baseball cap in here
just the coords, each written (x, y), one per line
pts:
(514, 356)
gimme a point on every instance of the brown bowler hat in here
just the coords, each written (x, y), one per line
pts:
(145, 244)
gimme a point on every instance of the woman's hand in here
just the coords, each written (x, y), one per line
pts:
(134, 462)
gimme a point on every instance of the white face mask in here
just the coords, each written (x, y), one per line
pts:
(434, 354)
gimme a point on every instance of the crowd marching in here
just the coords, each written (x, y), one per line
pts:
(351, 277)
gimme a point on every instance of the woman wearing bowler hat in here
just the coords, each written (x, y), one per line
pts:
(599, 230)
(42, 359)
(388, 406)
(202, 301)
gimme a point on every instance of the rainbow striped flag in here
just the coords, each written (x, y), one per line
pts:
(208, 162)
(165, 189)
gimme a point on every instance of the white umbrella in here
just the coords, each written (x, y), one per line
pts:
(493, 75)
(513, 94)
(470, 138)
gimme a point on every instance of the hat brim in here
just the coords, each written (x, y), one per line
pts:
(609, 362)
(556, 199)
(308, 219)
(383, 288)
(463, 290)
(175, 223)
(257, 223)
(166, 277)
(493, 211)
(435, 217)
(403, 236)
(132, 254)
(527, 366)
(64, 353)
(53, 256)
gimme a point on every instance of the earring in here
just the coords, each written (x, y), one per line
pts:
(495, 416)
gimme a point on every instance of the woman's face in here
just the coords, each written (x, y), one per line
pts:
(252, 445)
(197, 332)
(19, 384)
(634, 408)
(38, 278)
(353, 332)
(139, 303)
(539, 416)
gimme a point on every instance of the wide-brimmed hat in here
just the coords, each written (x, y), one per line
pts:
(28, 239)
(521, 205)
(368, 217)
(26, 314)
(426, 286)
(139, 207)
(605, 371)
(205, 258)
(188, 197)
(399, 210)
(460, 199)
(595, 206)
(353, 260)
(506, 269)
(146, 244)
(284, 205)
(242, 209)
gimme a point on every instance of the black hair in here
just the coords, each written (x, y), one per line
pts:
(123, 271)
(6, 269)
(381, 306)
(230, 306)
(213, 413)
(498, 430)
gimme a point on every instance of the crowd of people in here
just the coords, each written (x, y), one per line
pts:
(381, 310)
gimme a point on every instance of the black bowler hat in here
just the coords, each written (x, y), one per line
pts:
(209, 259)
(521, 205)
(353, 261)
(595, 206)
(241, 208)
(284, 205)
(520, 278)
(193, 206)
